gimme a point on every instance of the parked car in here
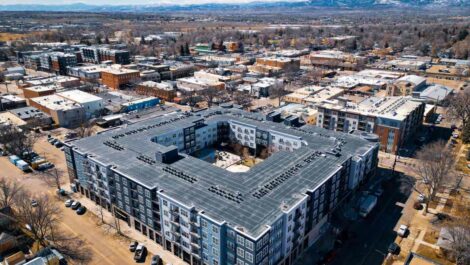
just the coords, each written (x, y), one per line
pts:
(394, 248)
(34, 203)
(81, 210)
(421, 198)
(156, 260)
(75, 205)
(140, 253)
(403, 231)
(133, 246)
(59, 144)
(68, 202)
(61, 192)
(439, 217)
(52, 141)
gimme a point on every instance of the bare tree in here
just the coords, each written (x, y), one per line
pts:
(458, 231)
(85, 129)
(459, 107)
(242, 99)
(53, 177)
(42, 218)
(210, 94)
(9, 192)
(278, 90)
(433, 170)
(15, 140)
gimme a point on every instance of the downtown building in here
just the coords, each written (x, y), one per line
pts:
(146, 175)
(394, 119)
(97, 54)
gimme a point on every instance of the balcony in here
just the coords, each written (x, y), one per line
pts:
(195, 235)
(175, 224)
(195, 245)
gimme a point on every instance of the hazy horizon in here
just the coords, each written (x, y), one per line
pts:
(134, 2)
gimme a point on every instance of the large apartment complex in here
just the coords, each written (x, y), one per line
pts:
(146, 174)
(393, 119)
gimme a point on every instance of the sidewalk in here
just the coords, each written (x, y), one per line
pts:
(131, 234)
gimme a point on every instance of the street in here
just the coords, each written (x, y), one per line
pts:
(371, 236)
(105, 248)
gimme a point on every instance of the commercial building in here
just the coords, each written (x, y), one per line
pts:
(86, 73)
(59, 81)
(116, 78)
(97, 54)
(32, 116)
(163, 91)
(145, 174)
(406, 85)
(92, 104)
(313, 95)
(11, 102)
(393, 119)
(274, 65)
(333, 59)
(38, 91)
(64, 112)
(200, 81)
(60, 62)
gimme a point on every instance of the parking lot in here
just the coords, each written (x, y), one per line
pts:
(104, 246)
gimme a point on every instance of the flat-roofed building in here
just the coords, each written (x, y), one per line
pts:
(11, 102)
(274, 65)
(148, 174)
(92, 104)
(333, 59)
(116, 78)
(61, 81)
(38, 91)
(89, 72)
(406, 85)
(65, 113)
(163, 91)
(393, 119)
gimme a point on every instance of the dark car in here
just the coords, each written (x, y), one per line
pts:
(394, 249)
(133, 246)
(58, 144)
(75, 205)
(156, 260)
(140, 253)
(81, 210)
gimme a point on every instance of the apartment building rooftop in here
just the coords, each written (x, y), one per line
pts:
(396, 108)
(248, 201)
(119, 71)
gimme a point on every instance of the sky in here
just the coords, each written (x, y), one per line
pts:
(127, 2)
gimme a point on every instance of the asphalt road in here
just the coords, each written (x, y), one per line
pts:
(371, 236)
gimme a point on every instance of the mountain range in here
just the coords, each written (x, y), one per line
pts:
(81, 7)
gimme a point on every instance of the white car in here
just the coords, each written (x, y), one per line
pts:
(68, 202)
(402, 231)
(421, 198)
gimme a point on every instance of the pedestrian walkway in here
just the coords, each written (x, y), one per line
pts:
(129, 234)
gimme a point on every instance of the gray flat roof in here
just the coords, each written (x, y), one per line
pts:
(249, 200)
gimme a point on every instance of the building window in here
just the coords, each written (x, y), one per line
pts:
(249, 244)
(240, 240)
(248, 257)
(240, 252)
